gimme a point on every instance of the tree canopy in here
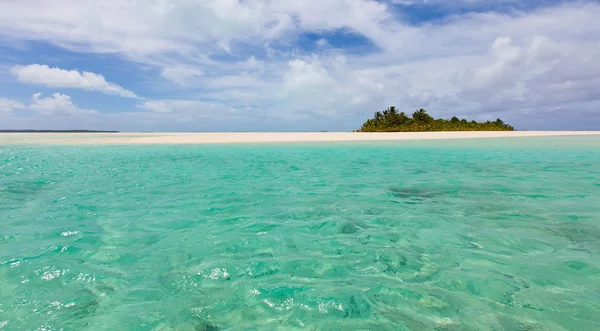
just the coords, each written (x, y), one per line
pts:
(390, 120)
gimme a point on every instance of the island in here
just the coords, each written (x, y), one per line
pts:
(390, 120)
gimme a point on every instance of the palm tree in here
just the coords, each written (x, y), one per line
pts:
(421, 116)
(386, 113)
(378, 116)
(403, 118)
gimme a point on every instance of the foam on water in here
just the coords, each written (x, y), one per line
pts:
(446, 235)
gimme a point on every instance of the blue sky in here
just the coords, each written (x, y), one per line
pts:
(265, 65)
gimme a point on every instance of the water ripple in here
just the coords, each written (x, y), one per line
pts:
(381, 236)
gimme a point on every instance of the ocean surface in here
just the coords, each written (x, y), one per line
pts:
(483, 234)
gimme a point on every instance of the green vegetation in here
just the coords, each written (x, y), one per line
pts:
(390, 120)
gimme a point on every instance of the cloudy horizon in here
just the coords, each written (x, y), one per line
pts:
(265, 65)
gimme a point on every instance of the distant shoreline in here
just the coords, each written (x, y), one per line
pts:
(56, 131)
(108, 138)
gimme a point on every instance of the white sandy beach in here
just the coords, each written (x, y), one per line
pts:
(261, 137)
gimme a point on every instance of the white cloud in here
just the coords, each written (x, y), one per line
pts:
(171, 106)
(57, 105)
(60, 78)
(190, 112)
(306, 75)
(505, 55)
(141, 28)
(322, 42)
(7, 105)
(189, 107)
(182, 75)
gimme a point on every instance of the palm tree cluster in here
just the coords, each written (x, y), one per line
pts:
(390, 120)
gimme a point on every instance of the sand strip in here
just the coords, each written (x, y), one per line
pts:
(259, 137)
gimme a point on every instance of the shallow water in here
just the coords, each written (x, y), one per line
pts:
(415, 235)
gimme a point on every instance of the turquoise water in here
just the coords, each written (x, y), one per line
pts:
(439, 235)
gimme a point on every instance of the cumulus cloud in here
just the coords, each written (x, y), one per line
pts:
(7, 105)
(57, 105)
(61, 78)
(306, 75)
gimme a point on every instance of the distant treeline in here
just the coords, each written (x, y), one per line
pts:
(56, 131)
(390, 120)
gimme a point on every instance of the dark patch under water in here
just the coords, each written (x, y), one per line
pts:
(414, 192)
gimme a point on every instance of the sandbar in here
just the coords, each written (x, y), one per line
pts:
(259, 137)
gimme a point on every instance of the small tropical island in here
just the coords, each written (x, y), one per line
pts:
(390, 120)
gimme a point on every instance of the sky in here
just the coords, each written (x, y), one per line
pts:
(296, 65)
